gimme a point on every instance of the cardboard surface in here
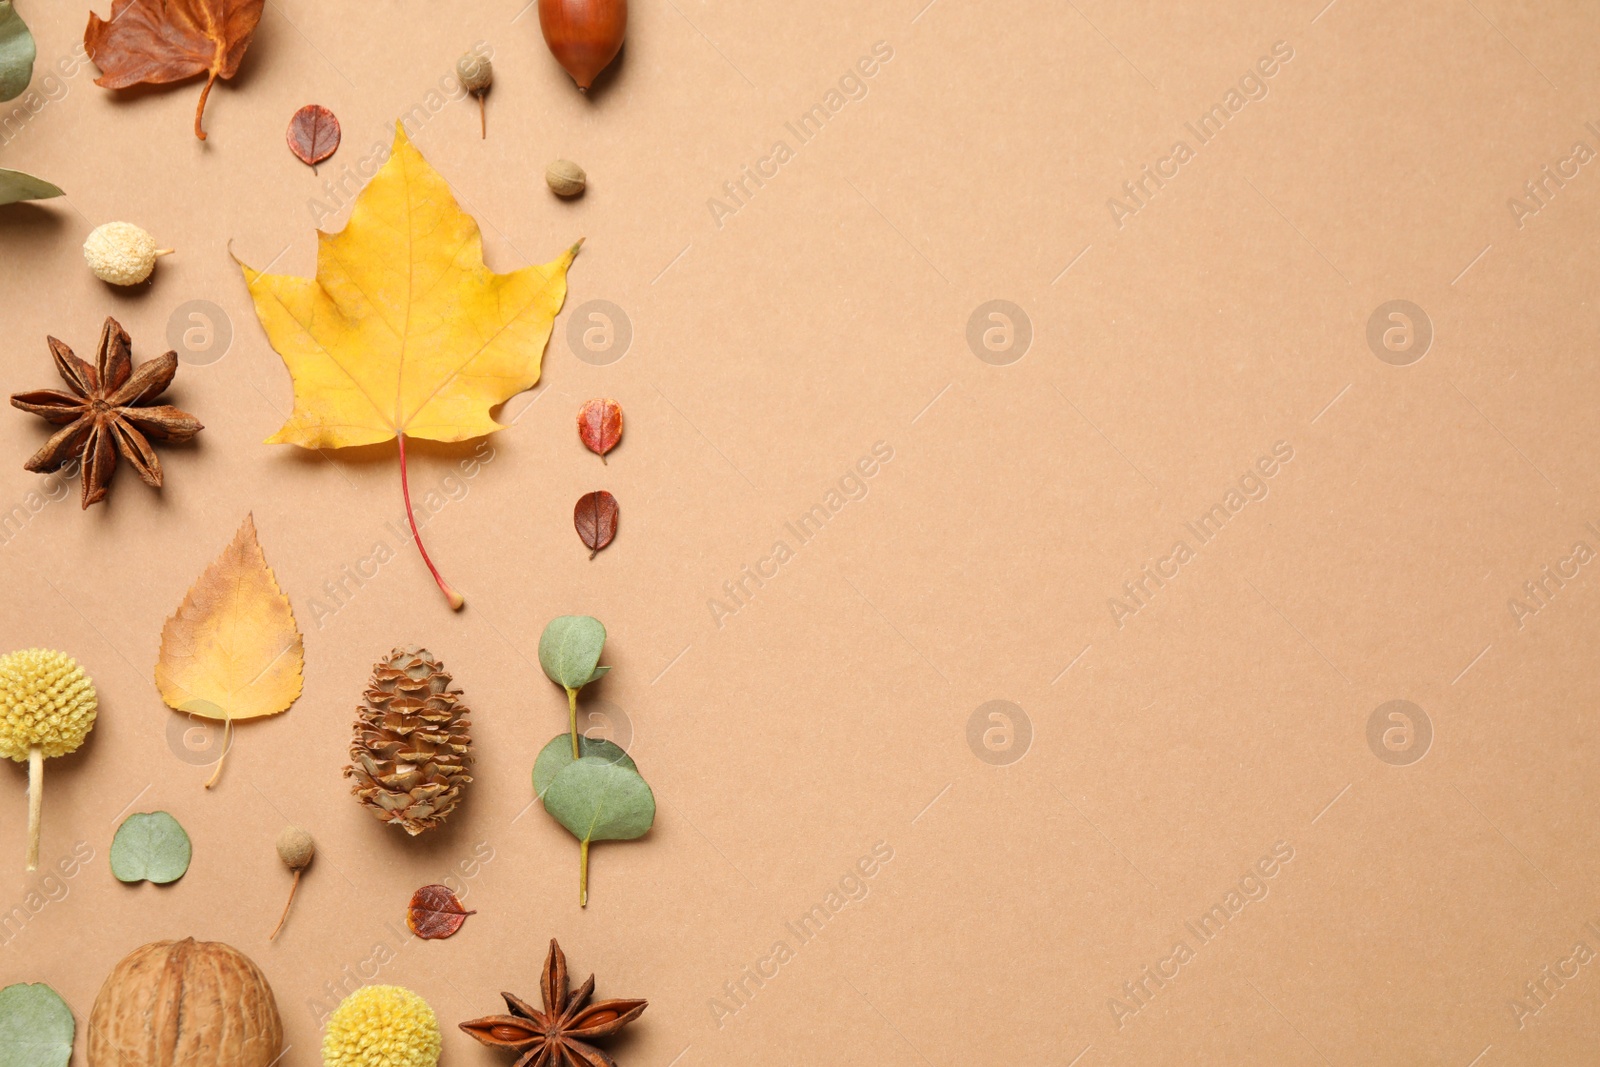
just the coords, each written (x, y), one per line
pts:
(1197, 832)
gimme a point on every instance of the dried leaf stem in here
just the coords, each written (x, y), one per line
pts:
(455, 598)
(227, 743)
(200, 108)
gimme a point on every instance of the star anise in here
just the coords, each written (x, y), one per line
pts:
(108, 411)
(559, 1035)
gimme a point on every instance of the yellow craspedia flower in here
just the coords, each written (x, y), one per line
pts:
(382, 1026)
(45, 700)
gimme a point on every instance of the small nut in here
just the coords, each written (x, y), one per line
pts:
(565, 178)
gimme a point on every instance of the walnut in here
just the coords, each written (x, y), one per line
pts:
(185, 1004)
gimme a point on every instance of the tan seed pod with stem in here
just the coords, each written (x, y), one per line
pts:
(295, 849)
(477, 75)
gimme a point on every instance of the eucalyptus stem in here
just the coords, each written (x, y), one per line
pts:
(583, 874)
(572, 719)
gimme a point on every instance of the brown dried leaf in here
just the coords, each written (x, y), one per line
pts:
(313, 134)
(600, 426)
(595, 519)
(152, 42)
(435, 913)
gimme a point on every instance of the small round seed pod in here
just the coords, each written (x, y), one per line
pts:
(476, 74)
(121, 253)
(565, 178)
(295, 849)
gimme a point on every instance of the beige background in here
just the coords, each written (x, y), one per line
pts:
(1164, 757)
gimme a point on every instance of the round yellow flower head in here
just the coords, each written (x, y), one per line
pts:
(382, 1026)
(45, 700)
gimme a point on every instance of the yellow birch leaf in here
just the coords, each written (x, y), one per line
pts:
(232, 651)
(404, 331)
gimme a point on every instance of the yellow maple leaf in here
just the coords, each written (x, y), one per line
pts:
(232, 650)
(404, 331)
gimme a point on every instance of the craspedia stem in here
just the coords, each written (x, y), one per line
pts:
(35, 803)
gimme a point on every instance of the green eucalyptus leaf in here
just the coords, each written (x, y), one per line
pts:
(17, 52)
(557, 756)
(36, 1027)
(598, 673)
(569, 650)
(150, 846)
(15, 185)
(598, 800)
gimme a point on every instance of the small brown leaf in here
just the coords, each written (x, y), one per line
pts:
(313, 134)
(153, 42)
(595, 519)
(435, 913)
(600, 426)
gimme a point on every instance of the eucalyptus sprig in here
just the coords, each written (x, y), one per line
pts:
(590, 786)
(17, 53)
(569, 652)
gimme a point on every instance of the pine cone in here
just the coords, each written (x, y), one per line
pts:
(412, 745)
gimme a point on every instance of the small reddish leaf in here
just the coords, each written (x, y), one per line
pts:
(595, 519)
(313, 134)
(435, 913)
(600, 426)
